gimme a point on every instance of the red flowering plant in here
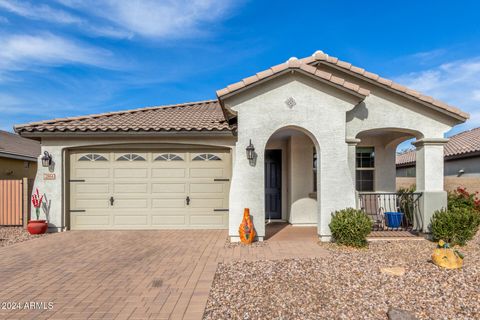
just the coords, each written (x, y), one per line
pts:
(461, 198)
(37, 200)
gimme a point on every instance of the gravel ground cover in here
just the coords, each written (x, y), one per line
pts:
(349, 285)
(12, 235)
(229, 244)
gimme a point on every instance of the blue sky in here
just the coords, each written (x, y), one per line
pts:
(71, 57)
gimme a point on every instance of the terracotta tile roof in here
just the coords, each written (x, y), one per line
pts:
(462, 144)
(321, 57)
(406, 158)
(13, 145)
(194, 116)
(295, 64)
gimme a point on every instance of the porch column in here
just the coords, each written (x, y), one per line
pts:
(352, 145)
(429, 178)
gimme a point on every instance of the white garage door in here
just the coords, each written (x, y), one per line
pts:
(149, 190)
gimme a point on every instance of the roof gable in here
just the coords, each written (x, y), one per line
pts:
(321, 57)
(293, 65)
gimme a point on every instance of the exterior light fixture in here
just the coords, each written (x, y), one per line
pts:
(250, 151)
(46, 159)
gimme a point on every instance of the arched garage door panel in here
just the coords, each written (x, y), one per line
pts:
(149, 190)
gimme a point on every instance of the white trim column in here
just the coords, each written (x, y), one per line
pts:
(429, 177)
(352, 149)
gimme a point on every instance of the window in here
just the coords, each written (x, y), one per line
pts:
(168, 157)
(92, 157)
(365, 168)
(408, 172)
(131, 157)
(206, 157)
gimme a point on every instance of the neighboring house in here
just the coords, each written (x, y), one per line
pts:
(18, 156)
(294, 142)
(461, 167)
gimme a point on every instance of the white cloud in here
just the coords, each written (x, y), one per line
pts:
(163, 19)
(40, 12)
(51, 14)
(456, 83)
(20, 52)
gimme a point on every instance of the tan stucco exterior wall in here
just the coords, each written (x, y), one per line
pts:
(17, 169)
(450, 183)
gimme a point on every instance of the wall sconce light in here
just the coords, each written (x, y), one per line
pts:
(250, 151)
(46, 159)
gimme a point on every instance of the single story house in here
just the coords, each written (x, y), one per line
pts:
(18, 156)
(294, 142)
(461, 162)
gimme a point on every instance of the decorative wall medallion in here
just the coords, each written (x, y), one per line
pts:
(290, 102)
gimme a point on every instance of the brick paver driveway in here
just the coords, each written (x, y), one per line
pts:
(123, 274)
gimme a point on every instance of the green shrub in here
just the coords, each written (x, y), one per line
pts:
(461, 198)
(350, 227)
(455, 226)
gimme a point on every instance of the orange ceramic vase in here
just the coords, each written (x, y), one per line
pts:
(246, 230)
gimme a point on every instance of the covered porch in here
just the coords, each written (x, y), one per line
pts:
(405, 210)
(292, 180)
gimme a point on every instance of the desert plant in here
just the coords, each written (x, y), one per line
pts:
(410, 189)
(406, 202)
(461, 198)
(455, 226)
(350, 227)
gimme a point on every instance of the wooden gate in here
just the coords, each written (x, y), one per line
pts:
(13, 202)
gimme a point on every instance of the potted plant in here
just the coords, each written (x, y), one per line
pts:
(37, 226)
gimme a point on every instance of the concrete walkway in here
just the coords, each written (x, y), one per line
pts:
(164, 274)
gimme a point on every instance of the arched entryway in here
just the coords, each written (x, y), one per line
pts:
(291, 178)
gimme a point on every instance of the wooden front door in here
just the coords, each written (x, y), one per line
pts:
(273, 184)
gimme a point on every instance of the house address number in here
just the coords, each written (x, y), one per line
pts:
(49, 176)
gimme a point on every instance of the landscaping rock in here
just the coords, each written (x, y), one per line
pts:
(229, 244)
(348, 285)
(393, 271)
(12, 235)
(398, 314)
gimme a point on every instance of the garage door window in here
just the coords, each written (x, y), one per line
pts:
(92, 157)
(168, 157)
(131, 157)
(207, 157)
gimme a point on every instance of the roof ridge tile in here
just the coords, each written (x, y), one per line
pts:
(323, 57)
(293, 63)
